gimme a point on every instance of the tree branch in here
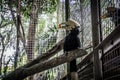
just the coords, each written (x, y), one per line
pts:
(56, 48)
(22, 73)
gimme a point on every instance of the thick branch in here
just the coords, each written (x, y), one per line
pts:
(56, 48)
(22, 73)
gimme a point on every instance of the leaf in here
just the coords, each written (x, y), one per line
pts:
(5, 24)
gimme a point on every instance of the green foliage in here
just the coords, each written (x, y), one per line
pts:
(86, 3)
(26, 6)
(8, 29)
(48, 6)
(45, 6)
(4, 22)
(42, 23)
(53, 29)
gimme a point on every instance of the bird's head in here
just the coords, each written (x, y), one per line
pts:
(69, 25)
(110, 12)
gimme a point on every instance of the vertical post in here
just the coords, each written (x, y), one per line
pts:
(82, 28)
(67, 11)
(101, 36)
(100, 27)
(96, 38)
(73, 73)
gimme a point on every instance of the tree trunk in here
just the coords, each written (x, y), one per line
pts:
(31, 33)
(22, 73)
(18, 34)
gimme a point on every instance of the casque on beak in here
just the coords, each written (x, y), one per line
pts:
(68, 25)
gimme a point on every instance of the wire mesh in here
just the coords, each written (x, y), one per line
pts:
(80, 11)
(113, 19)
(111, 58)
(44, 43)
(47, 43)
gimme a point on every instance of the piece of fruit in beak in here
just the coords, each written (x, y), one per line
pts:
(104, 16)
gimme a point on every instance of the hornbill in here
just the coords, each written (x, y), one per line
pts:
(72, 42)
(114, 13)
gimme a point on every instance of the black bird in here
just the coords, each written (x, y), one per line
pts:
(72, 40)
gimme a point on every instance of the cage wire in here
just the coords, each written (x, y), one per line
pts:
(61, 70)
(110, 58)
(45, 44)
(107, 25)
(80, 11)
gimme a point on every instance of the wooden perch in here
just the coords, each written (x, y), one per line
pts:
(22, 73)
(56, 48)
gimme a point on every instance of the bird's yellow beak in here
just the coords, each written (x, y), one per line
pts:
(104, 16)
(62, 25)
(59, 26)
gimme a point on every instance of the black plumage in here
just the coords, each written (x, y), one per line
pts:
(72, 42)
